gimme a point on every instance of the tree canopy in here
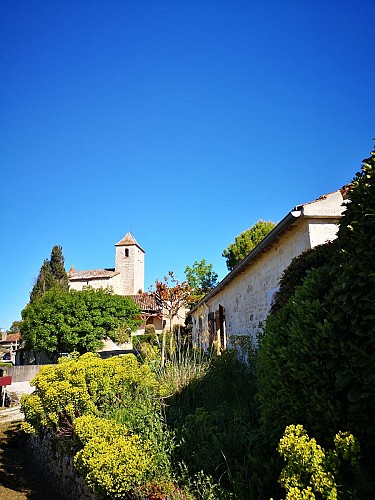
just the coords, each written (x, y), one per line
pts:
(52, 274)
(201, 278)
(245, 242)
(61, 321)
(15, 327)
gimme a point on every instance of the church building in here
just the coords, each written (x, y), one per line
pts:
(126, 278)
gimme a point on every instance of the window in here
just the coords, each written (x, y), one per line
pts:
(126, 252)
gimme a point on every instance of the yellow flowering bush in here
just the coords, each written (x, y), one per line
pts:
(85, 385)
(310, 470)
(112, 461)
(111, 412)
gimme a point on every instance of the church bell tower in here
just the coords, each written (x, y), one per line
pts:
(130, 263)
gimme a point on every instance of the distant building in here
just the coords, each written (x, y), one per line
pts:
(241, 301)
(9, 344)
(126, 278)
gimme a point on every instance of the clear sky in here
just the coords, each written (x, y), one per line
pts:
(183, 122)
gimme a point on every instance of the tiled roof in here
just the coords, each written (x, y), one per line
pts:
(91, 274)
(128, 239)
(147, 302)
(296, 213)
(13, 337)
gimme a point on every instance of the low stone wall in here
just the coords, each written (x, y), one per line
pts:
(58, 467)
(22, 373)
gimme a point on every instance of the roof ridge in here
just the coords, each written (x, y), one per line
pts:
(128, 239)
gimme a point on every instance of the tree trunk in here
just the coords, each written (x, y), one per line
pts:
(170, 337)
(162, 362)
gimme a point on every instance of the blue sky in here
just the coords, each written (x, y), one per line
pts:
(182, 121)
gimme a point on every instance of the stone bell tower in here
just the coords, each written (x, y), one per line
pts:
(130, 263)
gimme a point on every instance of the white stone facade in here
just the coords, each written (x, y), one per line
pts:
(241, 302)
(130, 266)
(126, 278)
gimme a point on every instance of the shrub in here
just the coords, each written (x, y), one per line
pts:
(350, 311)
(217, 429)
(296, 272)
(310, 470)
(112, 411)
(86, 385)
(112, 461)
(292, 377)
(317, 353)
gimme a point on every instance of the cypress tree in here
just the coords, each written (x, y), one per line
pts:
(52, 274)
(58, 268)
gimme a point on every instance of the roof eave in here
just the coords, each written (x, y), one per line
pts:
(287, 221)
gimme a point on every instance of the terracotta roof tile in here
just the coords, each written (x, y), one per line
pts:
(13, 337)
(147, 302)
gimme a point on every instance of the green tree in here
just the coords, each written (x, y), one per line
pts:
(52, 274)
(201, 278)
(245, 242)
(58, 269)
(43, 282)
(15, 327)
(61, 321)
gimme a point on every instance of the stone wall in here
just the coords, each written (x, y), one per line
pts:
(247, 298)
(22, 373)
(130, 264)
(96, 283)
(58, 467)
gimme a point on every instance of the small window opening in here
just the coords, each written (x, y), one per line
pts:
(126, 252)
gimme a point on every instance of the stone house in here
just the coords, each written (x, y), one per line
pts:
(126, 278)
(240, 303)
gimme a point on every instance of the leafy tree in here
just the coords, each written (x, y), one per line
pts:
(15, 327)
(52, 274)
(245, 242)
(61, 321)
(173, 296)
(201, 279)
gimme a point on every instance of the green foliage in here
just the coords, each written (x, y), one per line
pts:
(58, 268)
(297, 270)
(113, 409)
(87, 385)
(61, 321)
(215, 418)
(310, 471)
(43, 282)
(150, 337)
(293, 381)
(15, 327)
(350, 311)
(201, 278)
(182, 369)
(245, 242)
(317, 353)
(112, 461)
(51, 275)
